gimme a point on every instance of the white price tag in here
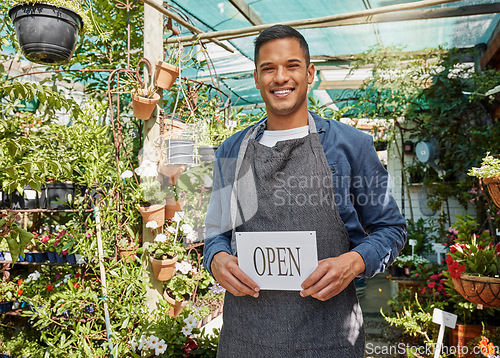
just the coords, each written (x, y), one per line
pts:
(412, 242)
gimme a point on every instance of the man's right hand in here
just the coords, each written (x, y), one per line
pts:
(229, 275)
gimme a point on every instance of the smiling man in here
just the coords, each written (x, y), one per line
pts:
(295, 171)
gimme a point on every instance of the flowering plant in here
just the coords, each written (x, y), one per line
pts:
(164, 247)
(472, 253)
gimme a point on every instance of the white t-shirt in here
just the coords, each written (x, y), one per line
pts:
(270, 138)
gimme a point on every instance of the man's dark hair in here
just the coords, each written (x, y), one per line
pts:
(277, 32)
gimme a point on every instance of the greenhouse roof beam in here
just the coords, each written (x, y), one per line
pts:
(184, 23)
(491, 56)
(254, 30)
(249, 14)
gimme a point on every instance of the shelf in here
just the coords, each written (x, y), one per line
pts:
(25, 263)
(44, 211)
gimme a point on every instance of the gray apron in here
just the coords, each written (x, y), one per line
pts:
(282, 323)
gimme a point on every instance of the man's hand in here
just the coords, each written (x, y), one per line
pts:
(332, 276)
(229, 275)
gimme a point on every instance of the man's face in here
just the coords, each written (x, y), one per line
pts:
(282, 76)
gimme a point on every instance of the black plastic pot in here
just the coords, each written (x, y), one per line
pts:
(207, 153)
(31, 199)
(4, 200)
(96, 193)
(60, 195)
(46, 34)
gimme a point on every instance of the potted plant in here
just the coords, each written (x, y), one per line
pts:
(47, 30)
(166, 74)
(164, 254)
(8, 291)
(17, 238)
(489, 173)
(474, 263)
(149, 194)
(127, 246)
(178, 291)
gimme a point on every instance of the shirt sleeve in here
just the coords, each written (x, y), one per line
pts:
(378, 213)
(217, 238)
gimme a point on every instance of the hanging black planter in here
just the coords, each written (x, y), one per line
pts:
(47, 34)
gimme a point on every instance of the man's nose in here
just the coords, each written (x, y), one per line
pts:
(281, 75)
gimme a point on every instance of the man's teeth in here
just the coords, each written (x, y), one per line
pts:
(282, 92)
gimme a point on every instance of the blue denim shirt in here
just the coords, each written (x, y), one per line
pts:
(376, 228)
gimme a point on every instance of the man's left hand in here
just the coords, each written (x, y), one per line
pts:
(332, 276)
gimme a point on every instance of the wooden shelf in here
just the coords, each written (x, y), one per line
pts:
(25, 263)
(43, 211)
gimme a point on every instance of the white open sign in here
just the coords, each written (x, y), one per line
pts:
(277, 260)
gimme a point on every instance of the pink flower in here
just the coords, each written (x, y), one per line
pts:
(44, 239)
(64, 252)
(55, 243)
(88, 235)
(473, 191)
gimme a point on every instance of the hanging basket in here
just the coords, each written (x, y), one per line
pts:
(142, 105)
(175, 306)
(47, 34)
(480, 290)
(164, 270)
(493, 185)
(153, 212)
(165, 75)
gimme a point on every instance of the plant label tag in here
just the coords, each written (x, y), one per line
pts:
(444, 318)
(232, 124)
(277, 260)
(30, 194)
(412, 242)
(178, 216)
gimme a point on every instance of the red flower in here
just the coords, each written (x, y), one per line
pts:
(19, 292)
(431, 284)
(190, 345)
(19, 282)
(434, 277)
(75, 285)
(456, 269)
(449, 260)
(422, 291)
(77, 275)
(49, 287)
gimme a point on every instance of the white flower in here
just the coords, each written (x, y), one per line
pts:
(191, 237)
(161, 347)
(152, 224)
(127, 174)
(171, 229)
(147, 169)
(153, 342)
(186, 330)
(186, 228)
(190, 321)
(133, 344)
(161, 238)
(142, 342)
(184, 267)
(33, 276)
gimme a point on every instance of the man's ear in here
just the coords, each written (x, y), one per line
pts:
(310, 73)
(256, 79)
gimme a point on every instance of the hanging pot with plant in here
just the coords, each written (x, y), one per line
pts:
(175, 306)
(164, 269)
(48, 30)
(483, 291)
(165, 75)
(489, 174)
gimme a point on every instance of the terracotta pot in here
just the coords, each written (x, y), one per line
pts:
(165, 75)
(173, 206)
(164, 270)
(143, 107)
(127, 254)
(153, 212)
(175, 306)
(462, 334)
(483, 291)
(493, 185)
